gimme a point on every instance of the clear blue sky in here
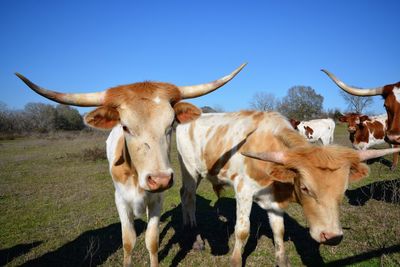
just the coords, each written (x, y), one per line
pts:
(87, 46)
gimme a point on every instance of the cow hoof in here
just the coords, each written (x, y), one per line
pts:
(283, 262)
(198, 245)
(393, 168)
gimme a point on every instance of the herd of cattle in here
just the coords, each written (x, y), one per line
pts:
(260, 154)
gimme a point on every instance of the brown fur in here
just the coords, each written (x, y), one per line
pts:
(186, 112)
(233, 176)
(283, 193)
(216, 152)
(392, 109)
(309, 131)
(102, 118)
(261, 171)
(294, 123)
(324, 157)
(122, 170)
(377, 129)
(131, 93)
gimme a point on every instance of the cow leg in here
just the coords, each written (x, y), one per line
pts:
(125, 213)
(190, 181)
(152, 232)
(244, 201)
(276, 222)
(188, 195)
(395, 159)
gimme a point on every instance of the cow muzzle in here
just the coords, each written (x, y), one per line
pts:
(392, 138)
(351, 129)
(158, 182)
(330, 239)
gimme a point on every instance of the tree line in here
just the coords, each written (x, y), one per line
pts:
(303, 103)
(39, 117)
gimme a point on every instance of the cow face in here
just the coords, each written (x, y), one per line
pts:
(146, 117)
(391, 94)
(323, 174)
(146, 112)
(353, 120)
(294, 123)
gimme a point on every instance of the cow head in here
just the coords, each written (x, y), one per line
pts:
(353, 120)
(294, 123)
(391, 96)
(146, 112)
(322, 176)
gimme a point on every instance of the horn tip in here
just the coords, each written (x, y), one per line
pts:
(19, 75)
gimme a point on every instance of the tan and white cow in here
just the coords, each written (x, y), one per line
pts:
(141, 117)
(391, 95)
(268, 162)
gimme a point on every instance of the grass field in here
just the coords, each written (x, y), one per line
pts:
(57, 209)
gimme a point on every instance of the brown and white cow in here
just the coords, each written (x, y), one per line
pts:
(315, 130)
(391, 95)
(367, 131)
(268, 162)
(141, 117)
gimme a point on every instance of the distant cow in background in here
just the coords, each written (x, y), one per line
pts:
(314, 130)
(366, 131)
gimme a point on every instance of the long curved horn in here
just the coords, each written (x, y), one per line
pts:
(352, 90)
(375, 153)
(273, 156)
(82, 100)
(202, 89)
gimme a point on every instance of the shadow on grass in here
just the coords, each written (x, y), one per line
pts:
(381, 160)
(216, 225)
(364, 256)
(91, 248)
(8, 254)
(387, 191)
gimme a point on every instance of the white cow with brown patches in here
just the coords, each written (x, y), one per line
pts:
(316, 130)
(141, 117)
(267, 161)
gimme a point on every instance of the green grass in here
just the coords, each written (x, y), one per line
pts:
(57, 208)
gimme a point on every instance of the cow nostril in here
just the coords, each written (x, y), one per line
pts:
(151, 181)
(330, 239)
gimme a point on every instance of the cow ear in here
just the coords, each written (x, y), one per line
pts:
(358, 172)
(283, 174)
(364, 118)
(343, 119)
(186, 112)
(102, 118)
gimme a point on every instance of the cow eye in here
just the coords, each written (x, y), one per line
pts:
(304, 189)
(126, 129)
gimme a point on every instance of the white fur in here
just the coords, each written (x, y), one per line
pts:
(323, 130)
(372, 141)
(131, 201)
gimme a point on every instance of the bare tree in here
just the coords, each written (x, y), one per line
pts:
(356, 104)
(263, 101)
